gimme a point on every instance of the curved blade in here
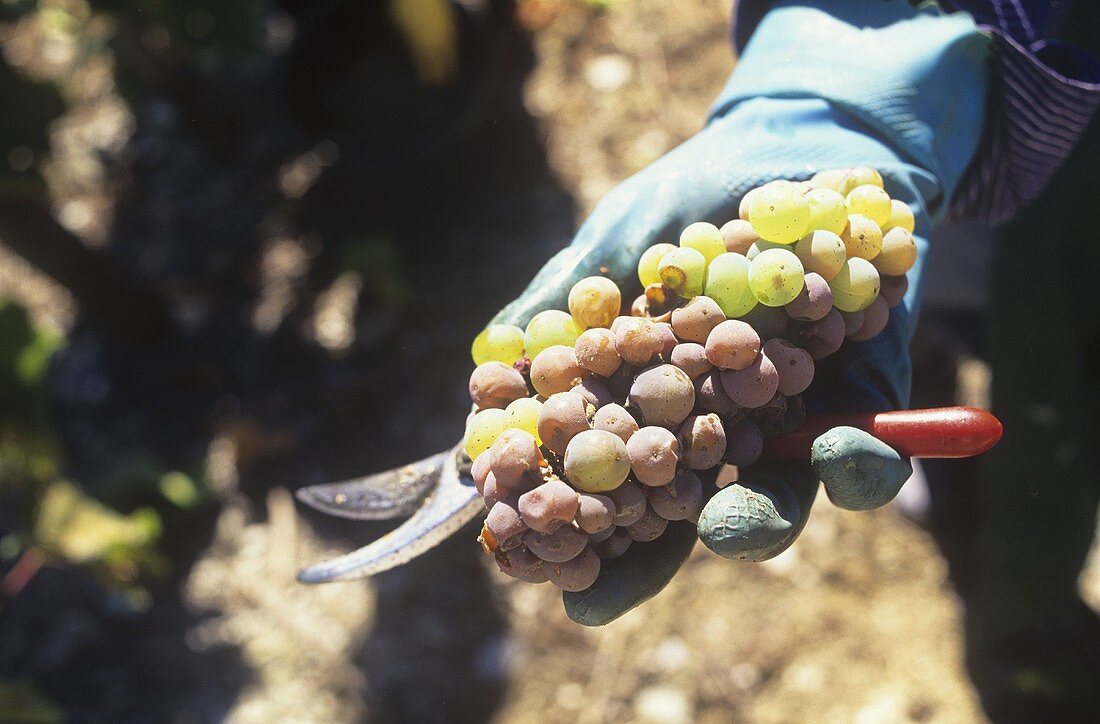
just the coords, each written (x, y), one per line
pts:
(454, 503)
(381, 496)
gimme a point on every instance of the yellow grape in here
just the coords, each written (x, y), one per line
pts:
(870, 201)
(498, 343)
(827, 210)
(683, 271)
(855, 286)
(899, 253)
(647, 265)
(901, 216)
(776, 277)
(830, 179)
(483, 430)
(859, 176)
(594, 302)
(523, 414)
(705, 238)
(822, 252)
(549, 328)
(780, 213)
(862, 237)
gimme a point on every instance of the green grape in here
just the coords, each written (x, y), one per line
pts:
(647, 265)
(859, 176)
(776, 277)
(761, 245)
(830, 179)
(704, 238)
(870, 201)
(855, 286)
(596, 461)
(822, 252)
(549, 328)
(728, 284)
(828, 211)
(900, 216)
(523, 414)
(483, 430)
(498, 343)
(683, 271)
(594, 302)
(780, 213)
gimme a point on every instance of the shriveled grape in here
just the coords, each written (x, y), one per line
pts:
(638, 341)
(594, 392)
(518, 563)
(703, 440)
(492, 492)
(505, 523)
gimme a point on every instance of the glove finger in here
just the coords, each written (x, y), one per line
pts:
(631, 579)
(759, 517)
(859, 471)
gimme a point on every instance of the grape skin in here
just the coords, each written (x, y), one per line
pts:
(870, 201)
(518, 563)
(654, 453)
(556, 369)
(595, 513)
(828, 212)
(480, 470)
(767, 321)
(668, 339)
(898, 255)
(629, 502)
(505, 523)
(492, 492)
(823, 337)
(638, 341)
(594, 302)
(523, 414)
(594, 392)
(498, 343)
(495, 384)
(596, 461)
(780, 213)
(663, 394)
(901, 217)
(616, 544)
(852, 322)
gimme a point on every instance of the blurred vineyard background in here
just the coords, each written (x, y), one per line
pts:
(243, 247)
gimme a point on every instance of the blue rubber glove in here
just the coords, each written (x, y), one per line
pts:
(822, 84)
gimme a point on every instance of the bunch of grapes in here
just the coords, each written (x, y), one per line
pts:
(592, 425)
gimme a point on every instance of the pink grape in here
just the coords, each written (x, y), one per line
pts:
(893, 289)
(615, 545)
(739, 236)
(745, 444)
(629, 502)
(596, 513)
(668, 339)
(615, 419)
(794, 365)
(649, 527)
(518, 563)
(732, 345)
(767, 321)
(823, 337)
(852, 321)
(691, 358)
(493, 492)
(594, 392)
(654, 453)
(638, 341)
(813, 302)
(549, 506)
(495, 384)
(516, 459)
(663, 394)
(680, 499)
(754, 385)
(711, 395)
(694, 321)
(562, 417)
(556, 369)
(703, 439)
(575, 574)
(557, 547)
(505, 523)
(480, 470)
(875, 318)
(595, 350)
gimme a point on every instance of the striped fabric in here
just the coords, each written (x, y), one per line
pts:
(1043, 95)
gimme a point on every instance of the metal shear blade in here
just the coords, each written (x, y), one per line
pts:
(453, 503)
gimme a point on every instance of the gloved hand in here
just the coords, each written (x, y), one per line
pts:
(822, 84)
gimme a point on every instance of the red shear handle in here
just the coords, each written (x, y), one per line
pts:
(941, 432)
